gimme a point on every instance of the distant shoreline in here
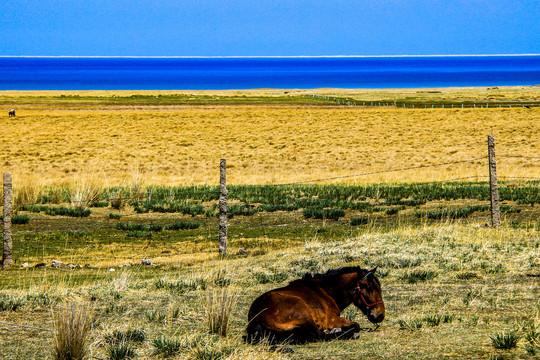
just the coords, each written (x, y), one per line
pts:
(254, 56)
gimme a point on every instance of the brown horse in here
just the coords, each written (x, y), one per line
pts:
(309, 309)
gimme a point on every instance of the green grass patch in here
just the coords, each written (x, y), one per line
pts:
(319, 213)
(182, 225)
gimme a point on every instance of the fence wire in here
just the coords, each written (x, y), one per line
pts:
(387, 171)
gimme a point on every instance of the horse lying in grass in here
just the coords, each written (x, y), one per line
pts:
(309, 309)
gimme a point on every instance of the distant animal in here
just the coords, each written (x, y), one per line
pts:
(308, 309)
(11, 112)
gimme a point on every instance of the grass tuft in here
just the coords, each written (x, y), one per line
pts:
(114, 216)
(20, 219)
(131, 335)
(219, 306)
(71, 336)
(505, 341)
(415, 276)
(121, 352)
(182, 225)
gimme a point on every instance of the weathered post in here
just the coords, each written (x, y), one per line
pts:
(222, 208)
(493, 189)
(8, 200)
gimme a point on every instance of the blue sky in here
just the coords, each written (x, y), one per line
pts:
(268, 27)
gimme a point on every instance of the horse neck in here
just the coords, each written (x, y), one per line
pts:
(340, 289)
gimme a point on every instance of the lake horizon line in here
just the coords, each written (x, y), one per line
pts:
(253, 56)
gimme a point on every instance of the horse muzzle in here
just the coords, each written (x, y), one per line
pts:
(376, 314)
(376, 318)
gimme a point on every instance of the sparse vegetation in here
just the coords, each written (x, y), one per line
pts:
(441, 276)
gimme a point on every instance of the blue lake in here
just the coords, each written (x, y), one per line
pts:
(19, 73)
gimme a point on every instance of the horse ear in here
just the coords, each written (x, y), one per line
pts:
(373, 270)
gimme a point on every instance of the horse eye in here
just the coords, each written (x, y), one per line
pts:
(367, 286)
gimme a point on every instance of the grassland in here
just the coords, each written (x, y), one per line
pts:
(145, 165)
(58, 140)
(478, 286)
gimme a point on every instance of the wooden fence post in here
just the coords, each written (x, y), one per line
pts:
(7, 260)
(493, 189)
(222, 208)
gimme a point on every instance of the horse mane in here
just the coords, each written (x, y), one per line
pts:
(332, 273)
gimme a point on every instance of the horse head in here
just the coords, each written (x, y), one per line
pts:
(367, 296)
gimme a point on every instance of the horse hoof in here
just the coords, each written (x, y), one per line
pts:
(335, 330)
(355, 336)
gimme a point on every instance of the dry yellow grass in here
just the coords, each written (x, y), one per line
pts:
(179, 145)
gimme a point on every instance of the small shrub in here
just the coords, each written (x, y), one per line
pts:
(9, 303)
(263, 278)
(114, 216)
(121, 352)
(418, 275)
(448, 318)
(155, 315)
(19, 219)
(321, 213)
(392, 211)
(138, 227)
(382, 273)
(155, 227)
(410, 325)
(505, 341)
(182, 225)
(166, 348)
(181, 285)
(208, 352)
(131, 226)
(359, 221)
(433, 320)
(243, 210)
(459, 213)
(131, 335)
(311, 265)
(64, 211)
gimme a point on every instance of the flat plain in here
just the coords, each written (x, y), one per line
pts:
(178, 138)
(145, 162)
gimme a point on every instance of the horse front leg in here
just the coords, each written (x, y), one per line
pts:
(341, 328)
